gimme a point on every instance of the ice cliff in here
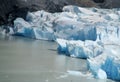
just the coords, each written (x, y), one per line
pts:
(49, 26)
(103, 54)
(74, 23)
(80, 49)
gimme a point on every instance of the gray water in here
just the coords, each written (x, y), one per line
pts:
(27, 60)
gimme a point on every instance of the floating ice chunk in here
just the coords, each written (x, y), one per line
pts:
(101, 74)
(62, 76)
(76, 73)
(79, 73)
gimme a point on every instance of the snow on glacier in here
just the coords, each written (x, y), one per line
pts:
(79, 48)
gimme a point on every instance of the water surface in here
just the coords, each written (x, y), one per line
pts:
(28, 60)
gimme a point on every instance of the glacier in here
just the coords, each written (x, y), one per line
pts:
(50, 26)
(90, 33)
(105, 64)
(74, 23)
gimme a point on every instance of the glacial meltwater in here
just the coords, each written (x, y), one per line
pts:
(28, 60)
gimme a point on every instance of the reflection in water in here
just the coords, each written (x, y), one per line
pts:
(28, 60)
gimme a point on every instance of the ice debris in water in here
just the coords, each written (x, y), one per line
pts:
(78, 73)
(80, 49)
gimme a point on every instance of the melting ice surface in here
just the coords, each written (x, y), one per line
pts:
(83, 32)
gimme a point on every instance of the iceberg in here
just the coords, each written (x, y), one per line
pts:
(79, 48)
